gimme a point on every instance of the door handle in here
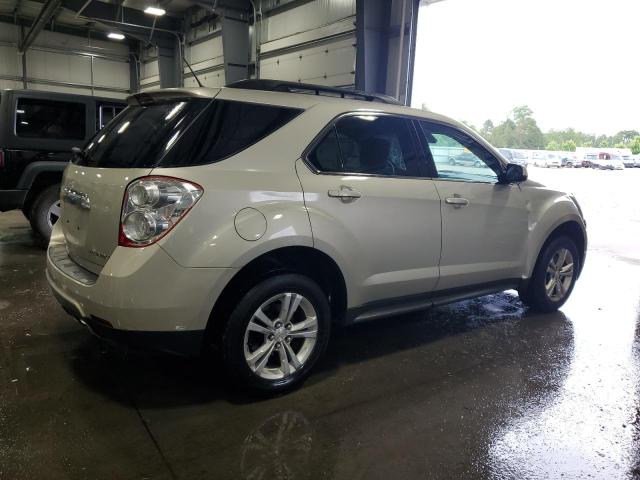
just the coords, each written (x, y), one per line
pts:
(345, 194)
(457, 201)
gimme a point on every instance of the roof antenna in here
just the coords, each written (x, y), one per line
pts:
(192, 72)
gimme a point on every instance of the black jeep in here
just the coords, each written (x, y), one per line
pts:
(37, 132)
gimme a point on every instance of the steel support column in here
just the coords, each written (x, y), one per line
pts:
(170, 65)
(235, 44)
(385, 46)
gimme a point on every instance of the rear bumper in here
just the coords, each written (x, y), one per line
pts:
(188, 343)
(141, 298)
(12, 199)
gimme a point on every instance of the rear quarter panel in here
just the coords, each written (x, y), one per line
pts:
(261, 177)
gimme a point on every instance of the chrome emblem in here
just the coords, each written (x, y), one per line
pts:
(98, 254)
(75, 197)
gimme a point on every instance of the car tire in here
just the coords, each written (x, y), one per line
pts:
(542, 294)
(44, 212)
(246, 334)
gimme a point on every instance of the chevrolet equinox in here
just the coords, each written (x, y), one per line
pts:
(251, 218)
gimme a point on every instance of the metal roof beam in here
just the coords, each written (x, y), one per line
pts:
(110, 12)
(47, 11)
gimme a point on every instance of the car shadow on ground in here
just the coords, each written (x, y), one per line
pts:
(162, 381)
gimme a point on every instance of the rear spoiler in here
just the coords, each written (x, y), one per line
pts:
(153, 96)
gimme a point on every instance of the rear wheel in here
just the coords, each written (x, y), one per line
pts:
(45, 212)
(276, 334)
(554, 276)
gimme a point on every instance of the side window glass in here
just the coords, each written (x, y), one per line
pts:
(457, 156)
(326, 156)
(39, 118)
(368, 144)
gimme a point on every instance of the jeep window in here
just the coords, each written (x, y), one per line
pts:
(106, 113)
(226, 128)
(39, 118)
(368, 144)
(457, 156)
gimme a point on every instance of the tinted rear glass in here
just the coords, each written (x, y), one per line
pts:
(141, 135)
(182, 133)
(38, 118)
(224, 129)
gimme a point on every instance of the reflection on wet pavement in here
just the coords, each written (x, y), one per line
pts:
(478, 389)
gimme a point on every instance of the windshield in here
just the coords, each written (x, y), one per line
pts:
(141, 135)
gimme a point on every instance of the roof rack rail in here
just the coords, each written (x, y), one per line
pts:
(307, 88)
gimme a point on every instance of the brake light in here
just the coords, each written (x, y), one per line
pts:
(152, 206)
(1, 158)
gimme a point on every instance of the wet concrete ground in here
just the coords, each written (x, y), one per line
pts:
(478, 389)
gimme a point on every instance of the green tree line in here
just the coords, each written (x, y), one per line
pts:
(520, 130)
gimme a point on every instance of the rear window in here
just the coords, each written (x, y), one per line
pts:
(141, 135)
(182, 133)
(38, 118)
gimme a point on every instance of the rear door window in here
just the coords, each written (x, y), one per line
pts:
(52, 119)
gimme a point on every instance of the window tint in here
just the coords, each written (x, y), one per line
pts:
(141, 135)
(226, 128)
(37, 118)
(368, 144)
(457, 156)
(182, 133)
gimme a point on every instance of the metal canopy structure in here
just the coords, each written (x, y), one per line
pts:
(308, 41)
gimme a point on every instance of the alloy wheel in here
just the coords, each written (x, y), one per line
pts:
(280, 336)
(559, 275)
(53, 213)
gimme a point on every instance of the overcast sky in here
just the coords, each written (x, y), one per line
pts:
(575, 63)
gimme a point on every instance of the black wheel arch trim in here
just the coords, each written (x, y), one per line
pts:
(36, 168)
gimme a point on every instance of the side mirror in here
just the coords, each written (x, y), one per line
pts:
(514, 173)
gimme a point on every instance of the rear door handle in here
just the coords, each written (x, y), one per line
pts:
(345, 194)
(457, 201)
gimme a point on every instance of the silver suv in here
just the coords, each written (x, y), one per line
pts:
(252, 218)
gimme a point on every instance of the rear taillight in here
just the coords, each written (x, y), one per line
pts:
(1, 158)
(152, 206)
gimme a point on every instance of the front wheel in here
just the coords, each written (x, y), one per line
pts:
(553, 277)
(277, 332)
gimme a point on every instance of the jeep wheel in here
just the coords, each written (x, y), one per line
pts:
(45, 212)
(553, 277)
(277, 332)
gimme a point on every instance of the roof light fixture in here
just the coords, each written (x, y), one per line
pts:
(158, 12)
(115, 36)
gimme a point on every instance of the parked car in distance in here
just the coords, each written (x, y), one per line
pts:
(515, 156)
(465, 158)
(253, 218)
(628, 161)
(570, 159)
(606, 161)
(37, 132)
